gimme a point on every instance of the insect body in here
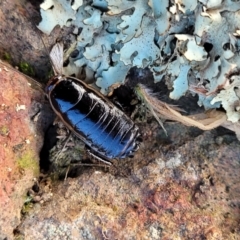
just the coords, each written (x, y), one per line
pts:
(106, 130)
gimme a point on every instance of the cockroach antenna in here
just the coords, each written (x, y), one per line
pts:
(34, 27)
(47, 51)
(55, 56)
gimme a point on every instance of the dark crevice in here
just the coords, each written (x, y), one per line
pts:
(50, 140)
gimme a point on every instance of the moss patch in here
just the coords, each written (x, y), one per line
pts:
(7, 57)
(26, 68)
(28, 205)
(28, 162)
(4, 130)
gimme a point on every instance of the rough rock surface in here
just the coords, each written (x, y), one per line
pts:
(185, 186)
(20, 40)
(21, 137)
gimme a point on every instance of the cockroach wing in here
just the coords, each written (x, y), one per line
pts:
(56, 56)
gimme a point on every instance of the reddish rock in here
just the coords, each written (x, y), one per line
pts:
(20, 143)
(190, 191)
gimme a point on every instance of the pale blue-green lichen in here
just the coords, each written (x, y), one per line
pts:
(172, 38)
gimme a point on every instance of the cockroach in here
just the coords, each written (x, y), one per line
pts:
(107, 132)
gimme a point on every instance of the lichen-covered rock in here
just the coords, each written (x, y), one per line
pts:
(21, 138)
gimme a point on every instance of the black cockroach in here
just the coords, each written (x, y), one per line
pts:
(107, 132)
